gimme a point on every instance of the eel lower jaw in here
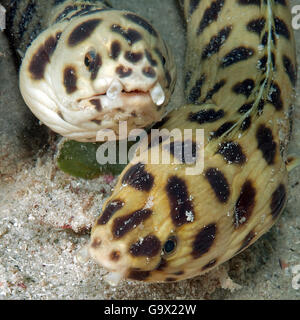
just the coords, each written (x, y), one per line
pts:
(107, 109)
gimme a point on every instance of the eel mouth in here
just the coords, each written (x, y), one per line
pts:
(116, 97)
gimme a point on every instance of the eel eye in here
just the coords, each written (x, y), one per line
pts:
(89, 58)
(170, 245)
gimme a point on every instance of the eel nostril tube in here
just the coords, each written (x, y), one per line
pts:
(157, 94)
(83, 254)
(113, 278)
(114, 89)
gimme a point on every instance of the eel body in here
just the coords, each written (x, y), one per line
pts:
(161, 224)
(88, 66)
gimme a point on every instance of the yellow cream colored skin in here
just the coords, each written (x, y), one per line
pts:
(231, 212)
(71, 97)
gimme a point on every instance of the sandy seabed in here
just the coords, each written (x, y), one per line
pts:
(46, 216)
